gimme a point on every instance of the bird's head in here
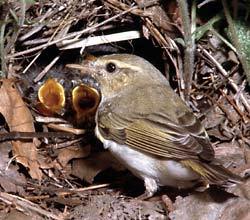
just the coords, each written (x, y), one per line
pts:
(116, 72)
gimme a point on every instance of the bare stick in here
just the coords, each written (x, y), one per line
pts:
(224, 73)
(96, 40)
(46, 69)
(71, 191)
(22, 204)
(67, 128)
(29, 135)
(71, 35)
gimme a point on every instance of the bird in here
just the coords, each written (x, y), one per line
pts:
(148, 128)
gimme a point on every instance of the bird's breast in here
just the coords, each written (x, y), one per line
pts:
(165, 172)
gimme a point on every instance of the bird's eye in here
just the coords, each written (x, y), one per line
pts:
(110, 67)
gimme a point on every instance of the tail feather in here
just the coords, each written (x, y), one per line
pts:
(214, 174)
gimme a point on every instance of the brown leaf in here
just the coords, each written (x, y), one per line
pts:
(241, 190)
(107, 206)
(213, 118)
(17, 215)
(19, 118)
(238, 210)
(229, 153)
(73, 152)
(88, 168)
(204, 206)
(11, 180)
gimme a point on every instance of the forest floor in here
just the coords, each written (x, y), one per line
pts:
(51, 164)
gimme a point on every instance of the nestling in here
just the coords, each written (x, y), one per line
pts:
(148, 128)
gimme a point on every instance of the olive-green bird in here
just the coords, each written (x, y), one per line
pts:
(148, 128)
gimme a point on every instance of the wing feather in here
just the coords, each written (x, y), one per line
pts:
(164, 139)
(167, 129)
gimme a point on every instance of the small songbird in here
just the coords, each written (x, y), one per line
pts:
(148, 128)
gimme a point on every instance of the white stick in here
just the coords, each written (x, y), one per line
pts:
(96, 40)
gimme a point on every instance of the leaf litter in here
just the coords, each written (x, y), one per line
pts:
(45, 173)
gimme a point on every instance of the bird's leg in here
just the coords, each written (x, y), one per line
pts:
(151, 188)
(202, 187)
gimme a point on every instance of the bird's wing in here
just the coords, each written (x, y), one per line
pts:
(157, 134)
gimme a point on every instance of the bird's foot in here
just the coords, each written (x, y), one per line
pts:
(201, 187)
(151, 188)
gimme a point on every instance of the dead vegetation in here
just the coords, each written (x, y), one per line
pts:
(51, 166)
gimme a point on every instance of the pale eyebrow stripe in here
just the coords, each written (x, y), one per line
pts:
(125, 65)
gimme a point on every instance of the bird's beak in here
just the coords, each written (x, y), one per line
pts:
(86, 67)
(82, 67)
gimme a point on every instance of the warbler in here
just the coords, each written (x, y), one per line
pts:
(148, 128)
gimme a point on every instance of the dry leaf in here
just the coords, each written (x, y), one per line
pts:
(204, 206)
(11, 180)
(241, 190)
(117, 207)
(19, 118)
(17, 215)
(88, 168)
(73, 152)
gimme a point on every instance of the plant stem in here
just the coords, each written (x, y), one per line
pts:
(189, 46)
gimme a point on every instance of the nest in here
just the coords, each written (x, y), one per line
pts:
(39, 38)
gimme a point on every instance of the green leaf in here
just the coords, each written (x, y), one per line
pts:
(243, 34)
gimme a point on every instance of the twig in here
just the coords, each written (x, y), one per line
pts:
(34, 198)
(22, 204)
(43, 119)
(36, 29)
(204, 2)
(33, 60)
(224, 73)
(223, 39)
(96, 40)
(162, 41)
(66, 128)
(65, 144)
(44, 40)
(122, 6)
(29, 135)
(46, 69)
(237, 109)
(36, 41)
(71, 191)
(69, 36)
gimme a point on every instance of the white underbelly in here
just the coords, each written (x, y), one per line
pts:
(164, 172)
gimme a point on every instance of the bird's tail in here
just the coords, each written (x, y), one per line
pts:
(213, 174)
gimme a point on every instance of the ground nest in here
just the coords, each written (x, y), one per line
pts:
(53, 167)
